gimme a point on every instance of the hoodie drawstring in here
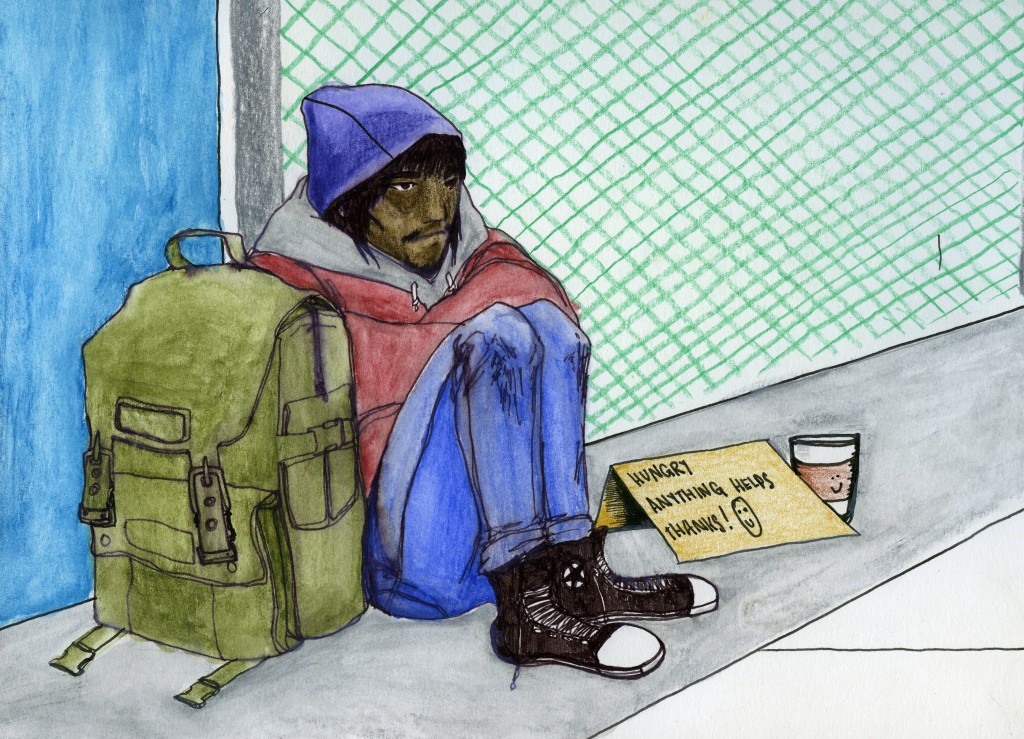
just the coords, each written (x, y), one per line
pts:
(414, 290)
(451, 283)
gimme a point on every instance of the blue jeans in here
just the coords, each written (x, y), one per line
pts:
(485, 462)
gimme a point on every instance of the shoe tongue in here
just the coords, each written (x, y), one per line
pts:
(595, 545)
(584, 548)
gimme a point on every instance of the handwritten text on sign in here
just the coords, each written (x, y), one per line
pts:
(711, 503)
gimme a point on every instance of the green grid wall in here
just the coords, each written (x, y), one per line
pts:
(734, 194)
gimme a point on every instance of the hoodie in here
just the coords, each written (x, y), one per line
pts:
(395, 317)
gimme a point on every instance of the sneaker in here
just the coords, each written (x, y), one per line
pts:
(586, 587)
(531, 629)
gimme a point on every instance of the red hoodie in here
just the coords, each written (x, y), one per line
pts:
(391, 340)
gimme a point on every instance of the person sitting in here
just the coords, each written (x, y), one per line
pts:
(470, 377)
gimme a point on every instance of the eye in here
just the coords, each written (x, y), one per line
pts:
(401, 186)
(451, 183)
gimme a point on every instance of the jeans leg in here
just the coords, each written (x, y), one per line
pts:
(496, 391)
(563, 389)
(554, 411)
(423, 535)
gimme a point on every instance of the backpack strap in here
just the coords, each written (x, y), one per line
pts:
(82, 650)
(206, 687)
(232, 244)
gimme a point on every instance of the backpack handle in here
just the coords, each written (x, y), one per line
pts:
(232, 242)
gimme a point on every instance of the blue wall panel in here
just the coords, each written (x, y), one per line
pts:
(109, 144)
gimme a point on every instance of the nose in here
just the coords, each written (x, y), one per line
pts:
(436, 203)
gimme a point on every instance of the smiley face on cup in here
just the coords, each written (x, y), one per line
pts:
(746, 516)
(827, 463)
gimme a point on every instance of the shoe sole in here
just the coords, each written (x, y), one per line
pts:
(623, 617)
(617, 674)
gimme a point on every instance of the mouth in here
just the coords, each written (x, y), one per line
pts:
(420, 236)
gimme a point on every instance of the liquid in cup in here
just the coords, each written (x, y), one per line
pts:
(828, 464)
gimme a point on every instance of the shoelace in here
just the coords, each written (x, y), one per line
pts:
(538, 606)
(634, 584)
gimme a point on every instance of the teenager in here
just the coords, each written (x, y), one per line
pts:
(469, 367)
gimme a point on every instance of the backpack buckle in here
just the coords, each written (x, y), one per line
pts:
(97, 506)
(333, 434)
(211, 512)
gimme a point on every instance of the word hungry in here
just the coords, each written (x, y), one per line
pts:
(661, 470)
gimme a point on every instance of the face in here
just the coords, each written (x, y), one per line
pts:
(747, 517)
(412, 220)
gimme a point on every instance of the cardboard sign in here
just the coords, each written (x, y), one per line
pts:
(710, 503)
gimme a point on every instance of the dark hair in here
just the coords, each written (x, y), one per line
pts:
(434, 155)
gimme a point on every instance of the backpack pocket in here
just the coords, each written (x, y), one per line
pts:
(320, 487)
(161, 423)
(321, 495)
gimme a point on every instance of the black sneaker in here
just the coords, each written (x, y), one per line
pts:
(531, 629)
(585, 586)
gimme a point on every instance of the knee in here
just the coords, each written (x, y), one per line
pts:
(555, 329)
(500, 336)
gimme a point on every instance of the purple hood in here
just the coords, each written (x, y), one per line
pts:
(354, 132)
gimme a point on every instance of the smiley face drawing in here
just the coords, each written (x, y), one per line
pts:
(747, 517)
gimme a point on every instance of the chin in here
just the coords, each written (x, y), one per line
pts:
(426, 258)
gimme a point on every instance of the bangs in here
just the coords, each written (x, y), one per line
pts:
(432, 156)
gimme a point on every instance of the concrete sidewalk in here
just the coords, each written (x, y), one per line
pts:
(937, 652)
(942, 424)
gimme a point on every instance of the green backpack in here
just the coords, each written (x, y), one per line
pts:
(221, 479)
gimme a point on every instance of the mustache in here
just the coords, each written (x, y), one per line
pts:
(423, 233)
